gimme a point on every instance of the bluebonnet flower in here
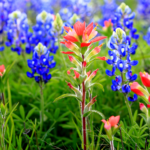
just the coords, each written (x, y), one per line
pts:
(107, 8)
(5, 8)
(78, 7)
(41, 64)
(17, 32)
(147, 36)
(42, 31)
(143, 9)
(120, 60)
(123, 19)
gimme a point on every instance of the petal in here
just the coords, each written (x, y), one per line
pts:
(70, 38)
(85, 44)
(104, 121)
(67, 52)
(30, 75)
(98, 39)
(79, 28)
(114, 120)
(102, 58)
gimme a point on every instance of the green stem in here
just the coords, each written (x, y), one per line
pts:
(129, 110)
(112, 145)
(60, 51)
(42, 108)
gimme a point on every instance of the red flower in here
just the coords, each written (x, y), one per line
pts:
(70, 85)
(88, 73)
(112, 122)
(67, 52)
(70, 38)
(99, 38)
(2, 70)
(135, 87)
(71, 58)
(77, 75)
(141, 106)
(148, 105)
(84, 63)
(85, 44)
(102, 58)
(145, 77)
(82, 34)
(79, 28)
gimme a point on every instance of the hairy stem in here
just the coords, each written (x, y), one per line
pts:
(112, 145)
(83, 118)
(121, 139)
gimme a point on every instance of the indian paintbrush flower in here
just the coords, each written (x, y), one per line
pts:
(79, 40)
(111, 128)
(2, 70)
(139, 90)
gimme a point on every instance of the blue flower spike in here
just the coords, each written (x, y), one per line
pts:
(41, 64)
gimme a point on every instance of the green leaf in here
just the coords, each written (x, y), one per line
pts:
(65, 95)
(79, 133)
(94, 111)
(22, 113)
(30, 113)
(10, 114)
(57, 113)
(99, 85)
(8, 70)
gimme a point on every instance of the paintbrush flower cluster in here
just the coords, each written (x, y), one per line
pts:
(79, 41)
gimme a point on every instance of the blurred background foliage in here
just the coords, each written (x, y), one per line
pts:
(62, 124)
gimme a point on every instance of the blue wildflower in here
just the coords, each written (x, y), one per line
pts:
(40, 64)
(42, 30)
(147, 37)
(17, 30)
(121, 60)
(123, 19)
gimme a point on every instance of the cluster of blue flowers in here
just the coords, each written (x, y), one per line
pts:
(5, 9)
(106, 9)
(120, 59)
(143, 9)
(147, 36)
(78, 7)
(41, 64)
(123, 19)
(17, 32)
(43, 31)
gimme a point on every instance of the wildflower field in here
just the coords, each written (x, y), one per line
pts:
(74, 74)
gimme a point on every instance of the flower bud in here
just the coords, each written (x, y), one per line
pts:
(58, 23)
(143, 109)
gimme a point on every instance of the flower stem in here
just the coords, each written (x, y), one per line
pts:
(129, 111)
(60, 50)
(127, 103)
(42, 108)
(83, 118)
(112, 145)
(3, 98)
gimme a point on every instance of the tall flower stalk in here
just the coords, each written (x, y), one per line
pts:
(79, 41)
(40, 65)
